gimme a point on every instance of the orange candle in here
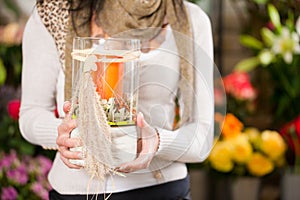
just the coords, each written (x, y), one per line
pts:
(108, 79)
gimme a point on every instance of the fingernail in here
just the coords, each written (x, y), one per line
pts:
(140, 120)
(141, 114)
(80, 155)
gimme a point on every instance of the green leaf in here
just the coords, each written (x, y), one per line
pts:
(290, 22)
(283, 104)
(274, 17)
(251, 42)
(2, 73)
(247, 64)
(267, 36)
(298, 28)
(261, 1)
(27, 148)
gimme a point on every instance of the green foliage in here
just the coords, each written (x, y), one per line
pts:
(11, 57)
(247, 64)
(2, 73)
(274, 16)
(251, 42)
(10, 137)
(261, 1)
(11, 6)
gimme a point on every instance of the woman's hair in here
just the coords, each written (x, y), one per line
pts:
(90, 6)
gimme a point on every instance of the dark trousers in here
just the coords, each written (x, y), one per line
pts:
(175, 190)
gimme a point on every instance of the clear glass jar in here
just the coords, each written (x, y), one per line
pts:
(113, 64)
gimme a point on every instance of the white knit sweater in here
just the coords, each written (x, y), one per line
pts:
(43, 87)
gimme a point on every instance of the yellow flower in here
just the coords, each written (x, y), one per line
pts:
(242, 149)
(254, 136)
(220, 157)
(260, 165)
(232, 126)
(272, 144)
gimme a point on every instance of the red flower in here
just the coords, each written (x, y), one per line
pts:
(297, 126)
(239, 86)
(13, 109)
(270, 26)
(291, 132)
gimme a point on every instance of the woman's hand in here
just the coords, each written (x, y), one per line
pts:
(147, 147)
(64, 141)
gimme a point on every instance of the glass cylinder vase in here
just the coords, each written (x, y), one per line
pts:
(113, 65)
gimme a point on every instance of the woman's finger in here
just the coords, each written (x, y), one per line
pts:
(141, 162)
(147, 145)
(67, 126)
(140, 120)
(66, 153)
(68, 142)
(67, 163)
(67, 106)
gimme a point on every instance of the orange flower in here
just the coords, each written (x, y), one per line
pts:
(232, 126)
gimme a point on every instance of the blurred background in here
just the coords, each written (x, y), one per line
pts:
(257, 156)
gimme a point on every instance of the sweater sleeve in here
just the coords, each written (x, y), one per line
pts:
(40, 71)
(192, 142)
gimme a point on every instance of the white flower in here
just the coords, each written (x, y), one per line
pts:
(286, 45)
(298, 25)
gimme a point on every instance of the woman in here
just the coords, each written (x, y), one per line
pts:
(166, 72)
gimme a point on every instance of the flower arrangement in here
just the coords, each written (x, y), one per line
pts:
(23, 166)
(277, 52)
(24, 177)
(246, 151)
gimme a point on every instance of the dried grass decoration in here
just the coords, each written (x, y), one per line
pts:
(101, 99)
